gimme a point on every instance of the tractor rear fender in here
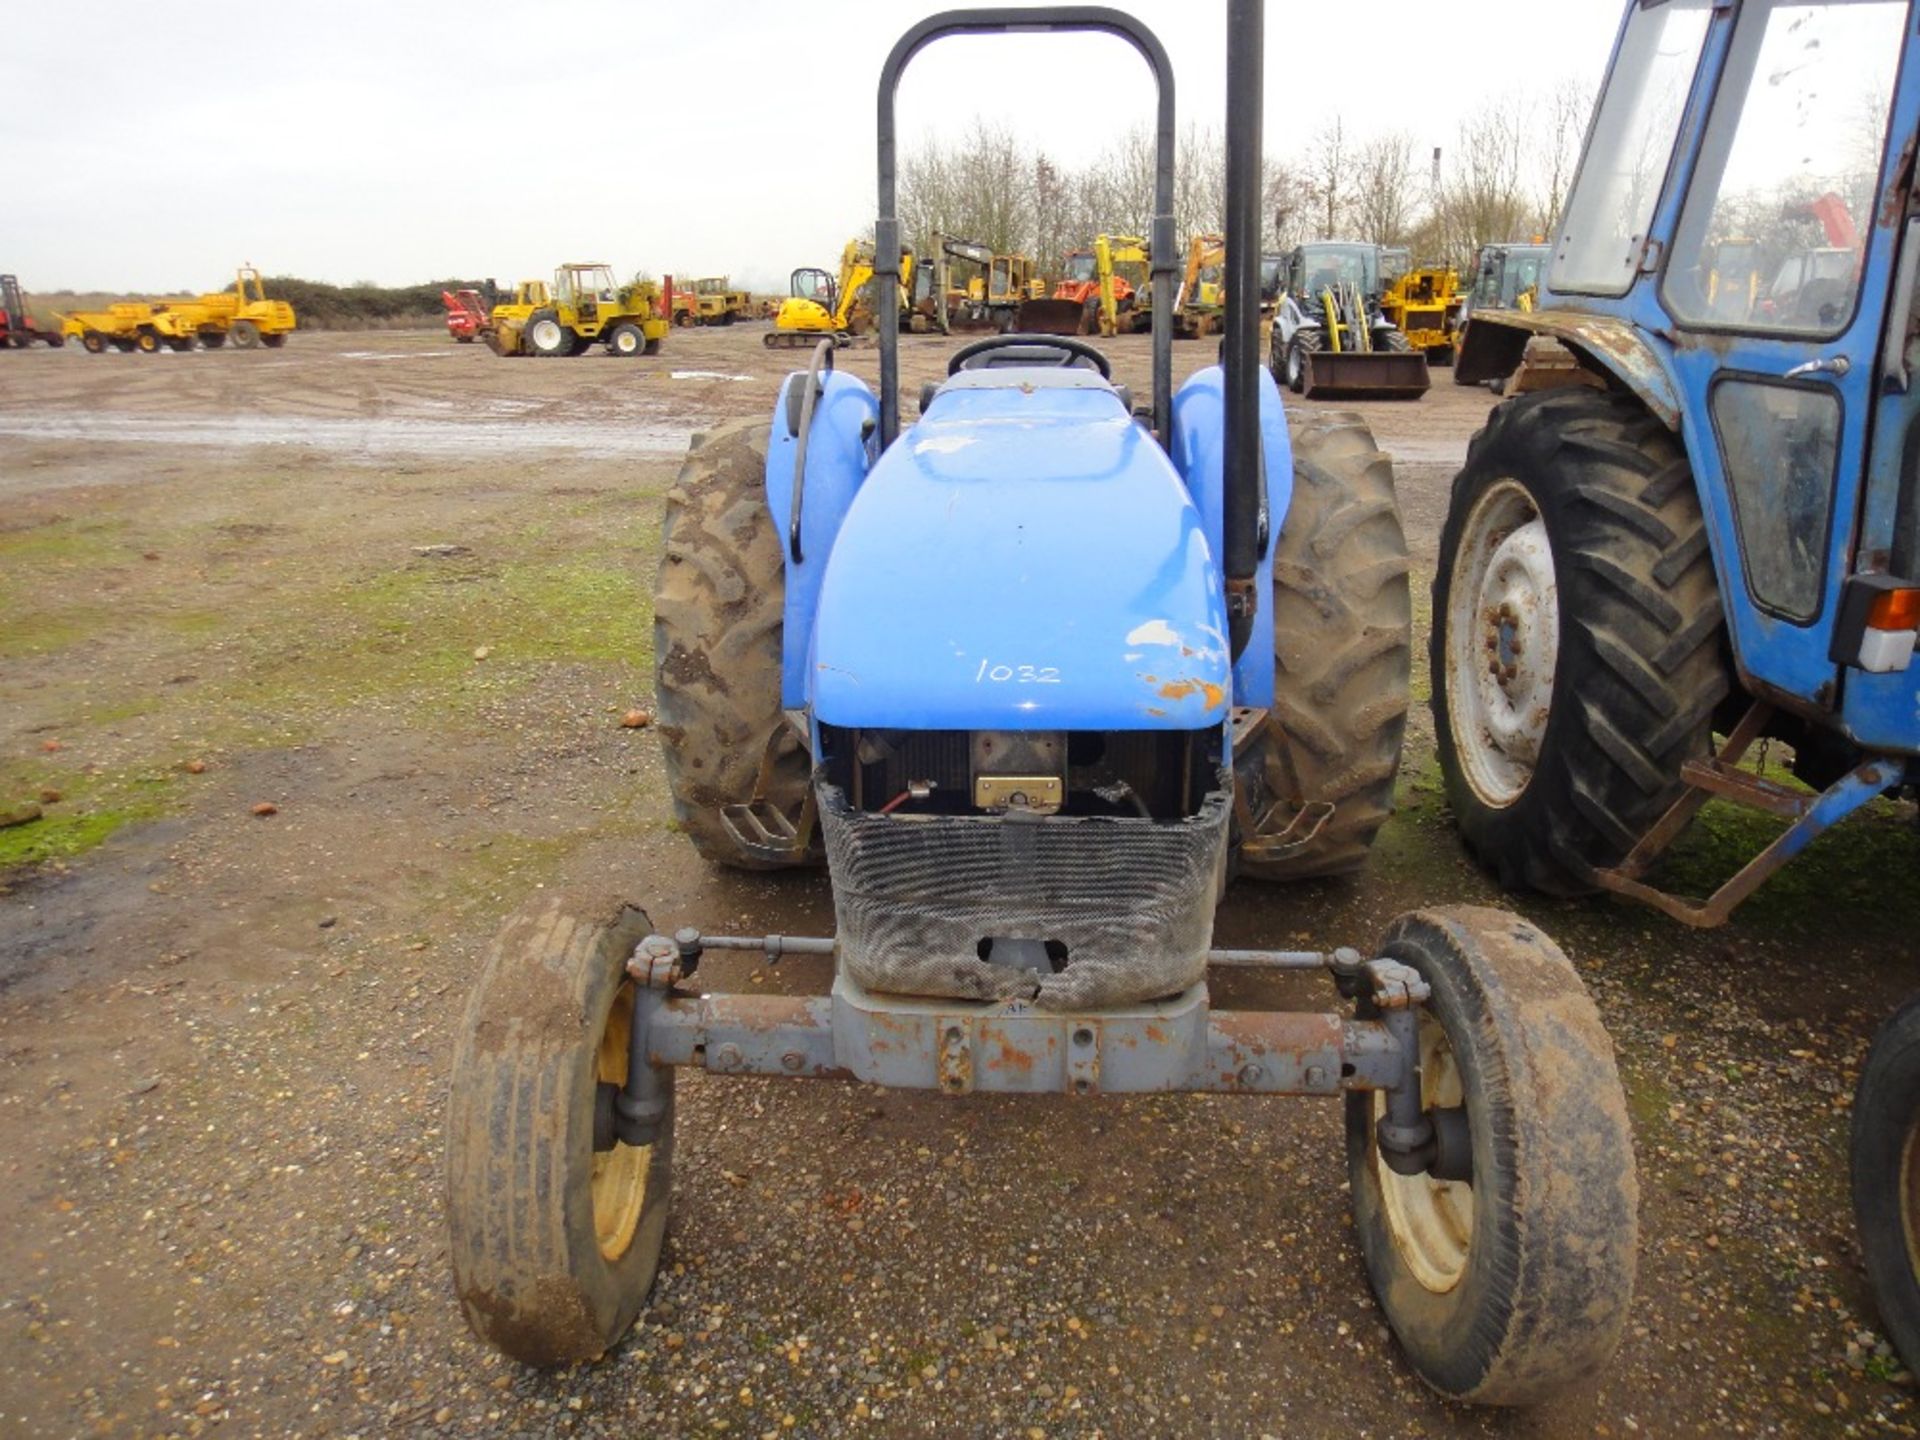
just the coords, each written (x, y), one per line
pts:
(1497, 338)
(1199, 430)
(841, 449)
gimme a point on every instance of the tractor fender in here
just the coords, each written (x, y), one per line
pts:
(841, 449)
(1198, 451)
(1496, 339)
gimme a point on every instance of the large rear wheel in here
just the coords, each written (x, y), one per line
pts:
(544, 335)
(1886, 1176)
(554, 1235)
(246, 335)
(1576, 646)
(1514, 1282)
(1343, 649)
(718, 621)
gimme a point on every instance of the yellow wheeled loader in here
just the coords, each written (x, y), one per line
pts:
(1329, 337)
(820, 306)
(585, 306)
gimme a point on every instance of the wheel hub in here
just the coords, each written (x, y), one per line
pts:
(620, 1173)
(1503, 632)
(1431, 1220)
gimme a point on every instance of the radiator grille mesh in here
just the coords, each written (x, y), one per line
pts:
(1131, 899)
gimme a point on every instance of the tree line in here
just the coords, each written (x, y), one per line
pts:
(1503, 177)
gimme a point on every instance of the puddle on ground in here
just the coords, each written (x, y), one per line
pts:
(361, 439)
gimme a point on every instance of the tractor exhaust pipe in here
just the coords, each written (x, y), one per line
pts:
(1245, 510)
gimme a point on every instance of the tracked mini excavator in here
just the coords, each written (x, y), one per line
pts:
(820, 306)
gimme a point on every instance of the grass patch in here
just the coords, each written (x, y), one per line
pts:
(92, 808)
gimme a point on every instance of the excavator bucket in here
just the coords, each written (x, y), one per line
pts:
(1048, 317)
(1365, 375)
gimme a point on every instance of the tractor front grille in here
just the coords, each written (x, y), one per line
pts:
(1123, 905)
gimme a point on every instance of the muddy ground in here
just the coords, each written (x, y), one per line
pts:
(224, 1036)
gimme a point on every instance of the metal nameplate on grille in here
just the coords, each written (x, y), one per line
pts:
(1027, 792)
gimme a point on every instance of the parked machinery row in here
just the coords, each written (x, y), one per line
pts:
(243, 315)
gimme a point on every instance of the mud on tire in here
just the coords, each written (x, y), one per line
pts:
(1530, 1290)
(717, 627)
(1639, 666)
(1343, 644)
(553, 1243)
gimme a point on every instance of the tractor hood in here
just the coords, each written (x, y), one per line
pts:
(1024, 558)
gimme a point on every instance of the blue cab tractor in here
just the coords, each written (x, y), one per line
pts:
(1033, 676)
(1712, 523)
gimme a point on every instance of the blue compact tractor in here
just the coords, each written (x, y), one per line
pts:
(1035, 676)
(1705, 518)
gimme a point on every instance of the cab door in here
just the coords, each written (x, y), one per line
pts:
(1779, 393)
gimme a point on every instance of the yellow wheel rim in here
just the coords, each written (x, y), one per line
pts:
(1431, 1220)
(619, 1174)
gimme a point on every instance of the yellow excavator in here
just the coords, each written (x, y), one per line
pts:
(1202, 301)
(821, 306)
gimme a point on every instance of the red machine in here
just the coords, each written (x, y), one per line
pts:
(467, 314)
(17, 329)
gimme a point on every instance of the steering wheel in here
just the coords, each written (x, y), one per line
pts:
(1058, 350)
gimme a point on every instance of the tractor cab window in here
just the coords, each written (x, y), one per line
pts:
(1790, 164)
(1629, 148)
(1080, 267)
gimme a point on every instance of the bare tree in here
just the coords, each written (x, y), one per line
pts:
(1383, 189)
(1559, 135)
(1327, 177)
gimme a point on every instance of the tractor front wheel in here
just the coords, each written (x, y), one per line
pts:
(1576, 645)
(93, 342)
(1343, 648)
(1514, 1282)
(246, 335)
(148, 342)
(554, 1233)
(717, 630)
(625, 340)
(1886, 1176)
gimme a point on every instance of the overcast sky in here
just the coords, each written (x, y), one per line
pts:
(154, 146)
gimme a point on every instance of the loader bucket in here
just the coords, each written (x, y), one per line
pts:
(1365, 375)
(1048, 317)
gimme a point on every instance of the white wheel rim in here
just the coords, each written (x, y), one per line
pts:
(546, 334)
(1430, 1220)
(626, 342)
(1503, 643)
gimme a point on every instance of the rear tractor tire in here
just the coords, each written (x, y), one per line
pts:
(545, 336)
(1508, 1285)
(1343, 648)
(1577, 636)
(554, 1242)
(273, 341)
(213, 339)
(93, 342)
(148, 342)
(718, 608)
(1886, 1176)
